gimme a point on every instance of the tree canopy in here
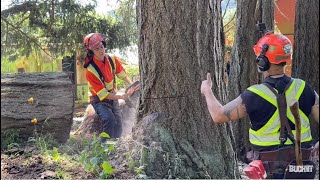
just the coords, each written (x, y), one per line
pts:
(56, 27)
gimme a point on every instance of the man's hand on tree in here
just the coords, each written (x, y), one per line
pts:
(206, 85)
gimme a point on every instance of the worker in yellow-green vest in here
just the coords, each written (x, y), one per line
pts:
(262, 104)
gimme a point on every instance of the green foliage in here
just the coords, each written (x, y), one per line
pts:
(7, 66)
(94, 156)
(136, 167)
(126, 14)
(60, 174)
(75, 145)
(43, 142)
(56, 28)
(10, 139)
(55, 154)
(132, 71)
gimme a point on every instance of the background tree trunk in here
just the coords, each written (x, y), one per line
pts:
(243, 69)
(180, 41)
(268, 14)
(306, 48)
(53, 104)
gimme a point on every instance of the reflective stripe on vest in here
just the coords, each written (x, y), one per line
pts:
(108, 85)
(269, 134)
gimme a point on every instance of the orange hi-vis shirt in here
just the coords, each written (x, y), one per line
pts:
(97, 87)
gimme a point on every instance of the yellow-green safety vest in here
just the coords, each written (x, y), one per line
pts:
(269, 134)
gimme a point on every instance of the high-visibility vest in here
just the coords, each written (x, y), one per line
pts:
(109, 86)
(268, 135)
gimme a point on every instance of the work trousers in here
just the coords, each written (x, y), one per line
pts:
(110, 115)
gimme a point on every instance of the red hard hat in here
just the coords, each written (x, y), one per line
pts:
(279, 48)
(92, 40)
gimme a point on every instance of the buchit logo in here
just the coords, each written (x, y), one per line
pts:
(300, 169)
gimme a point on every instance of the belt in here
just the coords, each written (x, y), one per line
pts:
(96, 99)
(286, 154)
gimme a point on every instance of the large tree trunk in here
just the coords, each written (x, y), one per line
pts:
(180, 41)
(53, 104)
(243, 69)
(306, 48)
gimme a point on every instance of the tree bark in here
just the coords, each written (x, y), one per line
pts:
(180, 41)
(268, 14)
(53, 104)
(306, 48)
(243, 69)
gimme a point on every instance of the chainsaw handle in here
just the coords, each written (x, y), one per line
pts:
(132, 85)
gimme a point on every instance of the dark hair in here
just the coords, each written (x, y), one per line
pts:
(88, 58)
(90, 53)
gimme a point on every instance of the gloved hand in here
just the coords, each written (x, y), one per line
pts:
(129, 92)
(136, 86)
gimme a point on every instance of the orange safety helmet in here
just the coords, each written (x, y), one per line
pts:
(93, 39)
(276, 48)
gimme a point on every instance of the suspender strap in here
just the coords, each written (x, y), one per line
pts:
(113, 70)
(285, 130)
(98, 70)
(100, 73)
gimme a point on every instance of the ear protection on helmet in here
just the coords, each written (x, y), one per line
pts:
(262, 60)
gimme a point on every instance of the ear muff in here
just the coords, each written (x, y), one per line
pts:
(262, 60)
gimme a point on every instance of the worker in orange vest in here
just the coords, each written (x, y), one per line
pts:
(260, 103)
(101, 72)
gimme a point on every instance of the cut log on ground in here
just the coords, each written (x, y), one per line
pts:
(47, 97)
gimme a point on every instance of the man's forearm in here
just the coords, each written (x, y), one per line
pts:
(214, 107)
(113, 96)
(315, 109)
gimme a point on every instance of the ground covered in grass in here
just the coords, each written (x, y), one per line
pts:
(29, 161)
(76, 159)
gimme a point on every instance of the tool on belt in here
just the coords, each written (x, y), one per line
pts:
(301, 167)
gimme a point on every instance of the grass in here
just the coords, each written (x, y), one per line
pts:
(10, 139)
(91, 155)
